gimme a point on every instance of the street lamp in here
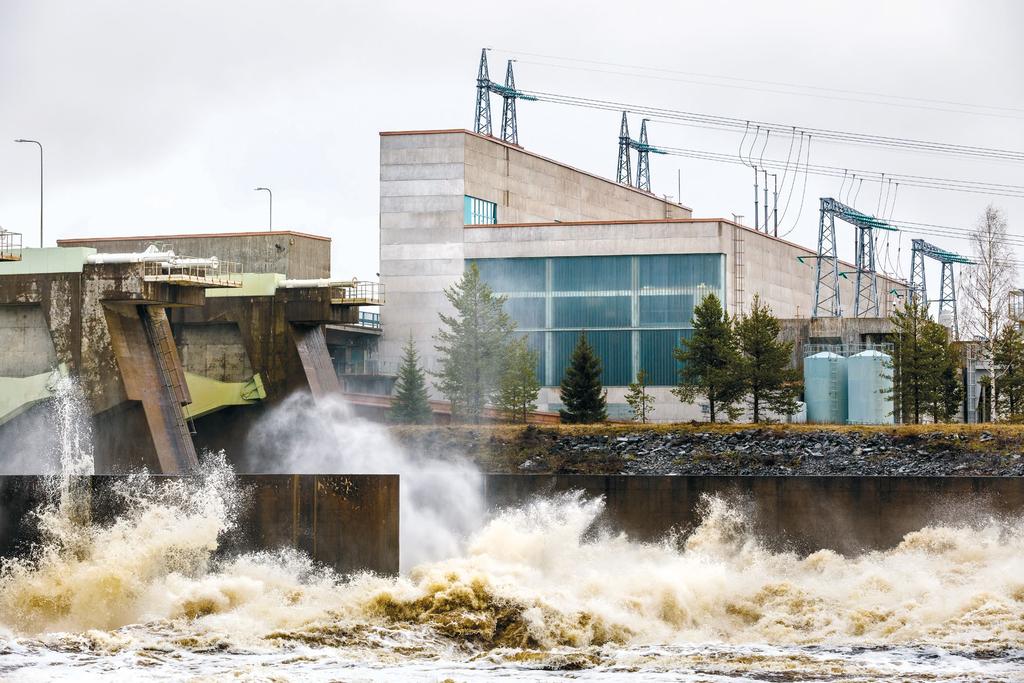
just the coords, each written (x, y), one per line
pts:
(271, 221)
(36, 142)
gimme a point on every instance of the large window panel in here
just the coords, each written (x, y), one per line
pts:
(681, 271)
(479, 211)
(591, 273)
(656, 355)
(528, 312)
(661, 310)
(613, 348)
(506, 276)
(591, 311)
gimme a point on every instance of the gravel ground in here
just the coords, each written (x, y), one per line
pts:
(767, 452)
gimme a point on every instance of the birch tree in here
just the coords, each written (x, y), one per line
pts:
(986, 288)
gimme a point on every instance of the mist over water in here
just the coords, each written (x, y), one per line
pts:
(441, 494)
(537, 592)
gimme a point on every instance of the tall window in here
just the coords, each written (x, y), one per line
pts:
(635, 309)
(480, 211)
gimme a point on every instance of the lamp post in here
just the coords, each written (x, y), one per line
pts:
(36, 142)
(270, 223)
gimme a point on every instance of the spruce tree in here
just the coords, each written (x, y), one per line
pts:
(709, 359)
(582, 394)
(472, 345)
(518, 385)
(764, 372)
(640, 402)
(926, 367)
(1009, 363)
(410, 405)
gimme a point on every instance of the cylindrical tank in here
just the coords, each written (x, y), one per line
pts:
(825, 387)
(869, 381)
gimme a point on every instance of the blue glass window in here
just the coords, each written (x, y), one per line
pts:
(480, 211)
(634, 309)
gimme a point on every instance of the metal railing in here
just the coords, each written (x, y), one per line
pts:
(10, 245)
(369, 366)
(190, 271)
(356, 292)
(369, 319)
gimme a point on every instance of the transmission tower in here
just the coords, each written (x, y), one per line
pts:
(947, 295)
(483, 97)
(624, 174)
(643, 149)
(827, 301)
(484, 87)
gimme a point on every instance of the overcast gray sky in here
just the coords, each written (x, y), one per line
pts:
(162, 116)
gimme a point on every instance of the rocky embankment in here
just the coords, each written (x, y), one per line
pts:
(696, 451)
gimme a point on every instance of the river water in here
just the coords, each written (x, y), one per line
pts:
(541, 592)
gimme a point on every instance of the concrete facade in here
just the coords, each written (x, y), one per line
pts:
(547, 209)
(295, 255)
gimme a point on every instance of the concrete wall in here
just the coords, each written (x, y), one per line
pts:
(845, 514)
(295, 254)
(26, 347)
(346, 522)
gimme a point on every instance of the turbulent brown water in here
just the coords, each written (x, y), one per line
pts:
(539, 593)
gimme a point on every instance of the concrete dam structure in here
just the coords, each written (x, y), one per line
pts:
(172, 354)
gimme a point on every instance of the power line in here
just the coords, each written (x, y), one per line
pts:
(678, 117)
(904, 101)
(929, 182)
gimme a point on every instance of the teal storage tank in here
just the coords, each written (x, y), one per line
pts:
(825, 387)
(869, 381)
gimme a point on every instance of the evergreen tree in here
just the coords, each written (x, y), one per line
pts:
(709, 359)
(410, 405)
(518, 385)
(472, 345)
(926, 367)
(764, 372)
(1009, 362)
(582, 394)
(640, 402)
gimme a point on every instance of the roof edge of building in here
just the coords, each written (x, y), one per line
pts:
(520, 148)
(70, 241)
(647, 221)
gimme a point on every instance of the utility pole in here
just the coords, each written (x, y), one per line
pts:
(775, 204)
(757, 211)
(36, 142)
(270, 223)
(766, 201)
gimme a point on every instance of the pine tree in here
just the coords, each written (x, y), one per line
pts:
(943, 373)
(709, 359)
(582, 394)
(518, 385)
(1009, 362)
(764, 372)
(472, 345)
(640, 402)
(410, 405)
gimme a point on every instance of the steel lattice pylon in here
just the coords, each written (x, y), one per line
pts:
(826, 287)
(484, 87)
(483, 97)
(947, 295)
(624, 174)
(643, 161)
(827, 303)
(509, 131)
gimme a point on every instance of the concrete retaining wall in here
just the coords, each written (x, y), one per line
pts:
(348, 522)
(845, 514)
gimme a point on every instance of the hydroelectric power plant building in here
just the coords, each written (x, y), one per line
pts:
(576, 252)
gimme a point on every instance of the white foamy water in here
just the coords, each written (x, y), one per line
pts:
(539, 592)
